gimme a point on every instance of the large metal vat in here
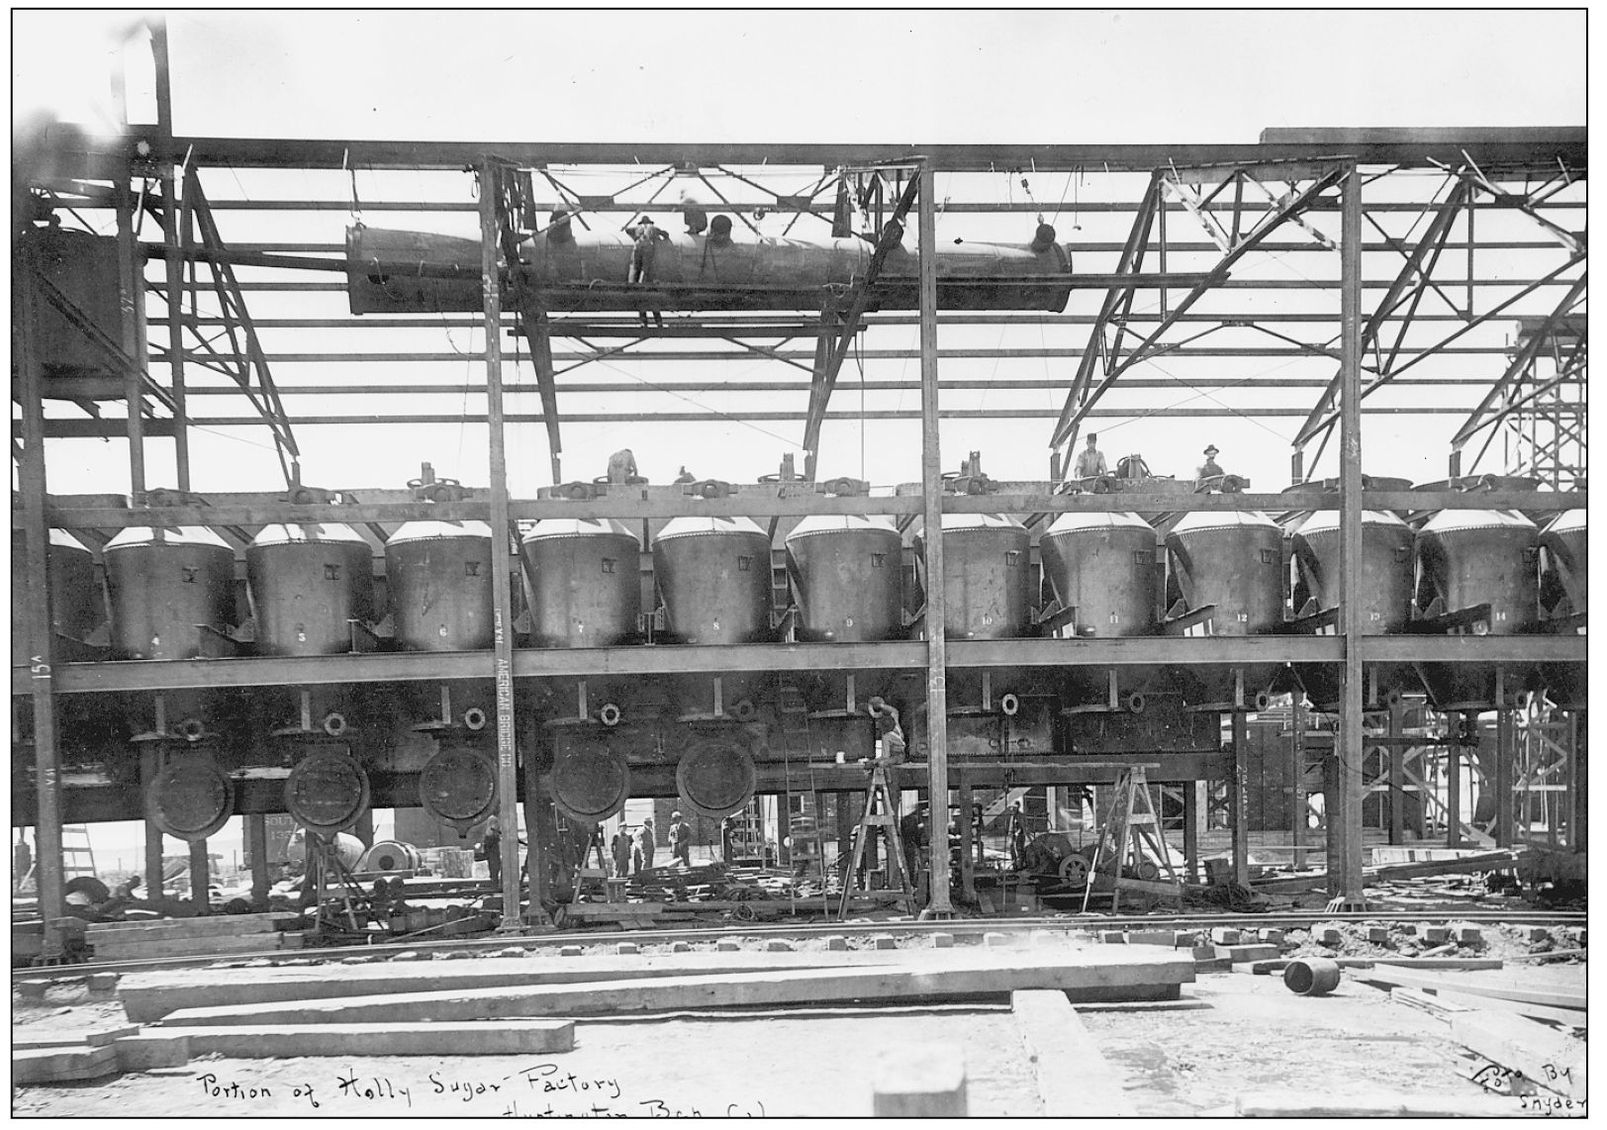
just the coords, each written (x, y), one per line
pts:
(1384, 592)
(1563, 585)
(439, 574)
(1232, 562)
(167, 588)
(846, 570)
(1467, 558)
(589, 271)
(76, 605)
(986, 576)
(585, 582)
(1100, 568)
(306, 584)
(714, 577)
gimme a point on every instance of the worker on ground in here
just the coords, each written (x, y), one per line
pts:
(492, 847)
(888, 731)
(647, 235)
(21, 860)
(621, 466)
(644, 846)
(1018, 837)
(680, 840)
(1090, 461)
(976, 830)
(621, 846)
(915, 830)
(1208, 469)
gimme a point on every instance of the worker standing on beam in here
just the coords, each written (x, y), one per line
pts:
(622, 466)
(1090, 460)
(1209, 469)
(647, 235)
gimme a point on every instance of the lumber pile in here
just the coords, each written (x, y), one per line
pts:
(184, 937)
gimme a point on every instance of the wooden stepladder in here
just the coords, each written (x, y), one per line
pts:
(1120, 862)
(881, 811)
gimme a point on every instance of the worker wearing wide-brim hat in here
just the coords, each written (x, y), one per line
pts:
(680, 839)
(1209, 469)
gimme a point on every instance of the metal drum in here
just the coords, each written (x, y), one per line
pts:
(327, 791)
(1563, 554)
(589, 782)
(1234, 562)
(76, 607)
(391, 855)
(1101, 569)
(439, 574)
(1467, 558)
(715, 778)
(1384, 592)
(165, 584)
(585, 582)
(458, 786)
(190, 798)
(986, 572)
(847, 570)
(714, 577)
(307, 583)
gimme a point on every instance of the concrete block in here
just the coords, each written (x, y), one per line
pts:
(103, 982)
(464, 1037)
(1537, 933)
(23, 1040)
(570, 951)
(1044, 937)
(1112, 937)
(1213, 965)
(1270, 937)
(776, 945)
(1469, 935)
(1237, 954)
(32, 990)
(152, 1049)
(1159, 937)
(1327, 935)
(726, 945)
(407, 955)
(1224, 936)
(681, 947)
(883, 942)
(941, 941)
(836, 942)
(627, 947)
(1378, 935)
(993, 939)
(61, 1065)
(920, 1082)
(1432, 934)
(1204, 953)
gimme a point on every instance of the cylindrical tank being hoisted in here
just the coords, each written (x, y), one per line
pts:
(1563, 585)
(1467, 558)
(307, 583)
(172, 597)
(76, 606)
(1384, 591)
(847, 571)
(1100, 568)
(585, 582)
(1232, 561)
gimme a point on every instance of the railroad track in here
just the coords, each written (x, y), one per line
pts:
(968, 926)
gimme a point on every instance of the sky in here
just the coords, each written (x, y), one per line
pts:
(738, 75)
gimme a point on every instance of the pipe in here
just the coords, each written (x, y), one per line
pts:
(334, 723)
(609, 714)
(192, 729)
(1311, 976)
(743, 710)
(474, 718)
(1134, 702)
(1263, 701)
(1009, 705)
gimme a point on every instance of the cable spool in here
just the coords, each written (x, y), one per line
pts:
(1009, 705)
(390, 855)
(609, 714)
(1074, 871)
(327, 792)
(474, 718)
(190, 798)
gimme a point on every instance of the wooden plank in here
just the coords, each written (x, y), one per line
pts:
(937, 977)
(1074, 1078)
(268, 1041)
(193, 927)
(1465, 1001)
(1426, 1002)
(60, 1065)
(1543, 1055)
(185, 947)
(1393, 975)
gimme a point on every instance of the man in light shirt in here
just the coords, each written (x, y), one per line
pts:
(1090, 461)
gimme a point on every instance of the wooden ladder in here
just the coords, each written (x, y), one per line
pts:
(77, 857)
(1130, 824)
(881, 811)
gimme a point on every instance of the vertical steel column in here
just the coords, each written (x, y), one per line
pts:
(41, 632)
(130, 294)
(967, 840)
(1297, 797)
(1453, 790)
(1345, 859)
(501, 592)
(1578, 826)
(149, 762)
(257, 844)
(1193, 794)
(170, 241)
(1396, 753)
(1238, 808)
(200, 878)
(1503, 763)
(932, 489)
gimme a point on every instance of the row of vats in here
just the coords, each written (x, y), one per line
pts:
(310, 590)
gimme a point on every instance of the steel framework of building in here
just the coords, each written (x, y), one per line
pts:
(1443, 237)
